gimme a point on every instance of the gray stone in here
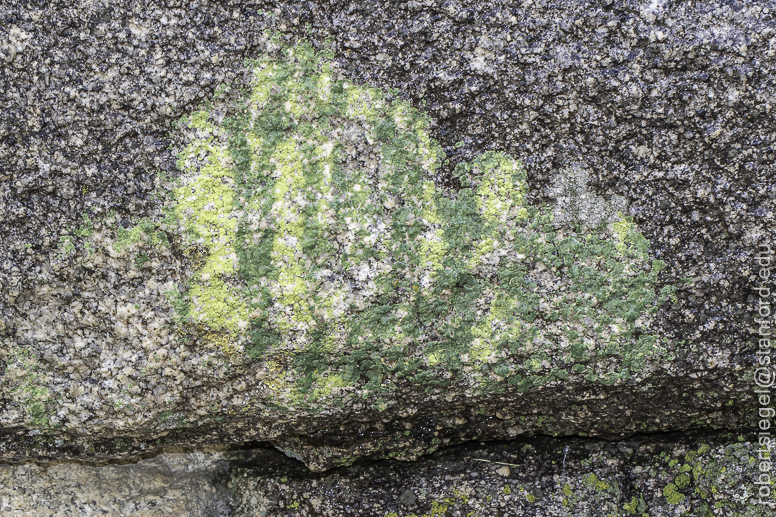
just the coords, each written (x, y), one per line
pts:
(656, 110)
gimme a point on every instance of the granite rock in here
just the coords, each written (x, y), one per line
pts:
(660, 110)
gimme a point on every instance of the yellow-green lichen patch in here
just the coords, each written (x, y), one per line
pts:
(329, 246)
(208, 217)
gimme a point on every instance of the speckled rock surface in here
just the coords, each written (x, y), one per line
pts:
(668, 475)
(660, 476)
(657, 112)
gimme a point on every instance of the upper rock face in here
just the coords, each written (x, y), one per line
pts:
(324, 266)
(307, 233)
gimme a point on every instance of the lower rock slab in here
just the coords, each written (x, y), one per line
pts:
(709, 474)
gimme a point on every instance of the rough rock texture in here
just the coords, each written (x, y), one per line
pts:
(664, 109)
(169, 484)
(670, 475)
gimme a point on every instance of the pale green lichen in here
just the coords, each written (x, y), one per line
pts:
(205, 208)
(328, 245)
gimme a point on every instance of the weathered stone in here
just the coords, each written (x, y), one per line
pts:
(549, 227)
(689, 475)
(660, 476)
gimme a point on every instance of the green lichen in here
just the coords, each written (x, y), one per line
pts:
(595, 483)
(77, 236)
(672, 495)
(66, 244)
(682, 480)
(325, 245)
(26, 383)
(145, 231)
(635, 506)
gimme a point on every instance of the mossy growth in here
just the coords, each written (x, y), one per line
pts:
(326, 246)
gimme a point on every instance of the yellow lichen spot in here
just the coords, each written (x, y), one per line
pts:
(199, 120)
(323, 87)
(328, 385)
(291, 291)
(621, 229)
(429, 205)
(596, 483)
(221, 341)
(438, 509)
(263, 80)
(498, 194)
(205, 205)
(360, 103)
(481, 349)
(274, 378)
(427, 149)
(433, 251)
(484, 247)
